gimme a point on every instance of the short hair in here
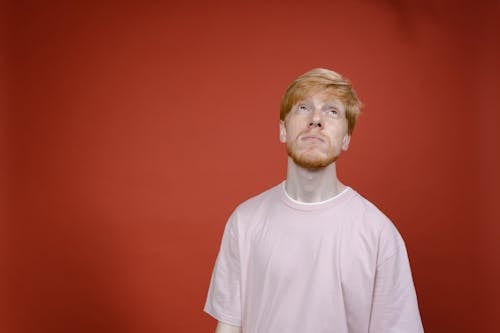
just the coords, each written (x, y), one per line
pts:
(321, 79)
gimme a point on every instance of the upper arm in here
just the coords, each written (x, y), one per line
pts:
(394, 304)
(223, 299)
(226, 328)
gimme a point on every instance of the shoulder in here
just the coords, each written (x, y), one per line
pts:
(369, 216)
(365, 210)
(255, 209)
(260, 201)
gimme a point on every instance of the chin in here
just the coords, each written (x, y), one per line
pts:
(311, 158)
(312, 162)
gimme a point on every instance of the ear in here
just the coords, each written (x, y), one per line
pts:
(345, 142)
(282, 131)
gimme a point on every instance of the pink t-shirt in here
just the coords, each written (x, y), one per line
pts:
(290, 267)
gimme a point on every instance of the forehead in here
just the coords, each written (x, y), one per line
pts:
(323, 96)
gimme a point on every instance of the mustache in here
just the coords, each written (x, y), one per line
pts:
(310, 134)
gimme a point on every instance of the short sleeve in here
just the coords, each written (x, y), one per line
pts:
(223, 300)
(394, 304)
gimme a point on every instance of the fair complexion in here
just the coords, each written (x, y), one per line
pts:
(226, 328)
(315, 133)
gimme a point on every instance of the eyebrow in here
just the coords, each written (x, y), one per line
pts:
(331, 105)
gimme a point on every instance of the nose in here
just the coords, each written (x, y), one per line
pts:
(315, 120)
(315, 123)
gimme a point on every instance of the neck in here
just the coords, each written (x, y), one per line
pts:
(312, 185)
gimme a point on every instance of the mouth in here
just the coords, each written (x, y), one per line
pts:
(312, 138)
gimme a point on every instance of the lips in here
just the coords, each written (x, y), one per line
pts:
(312, 138)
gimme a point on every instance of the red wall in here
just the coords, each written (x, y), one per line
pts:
(132, 131)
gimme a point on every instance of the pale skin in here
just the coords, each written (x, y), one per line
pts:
(226, 328)
(314, 130)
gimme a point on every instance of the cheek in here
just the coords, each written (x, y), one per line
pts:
(339, 140)
(292, 131)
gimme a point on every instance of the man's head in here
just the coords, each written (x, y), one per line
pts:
(318, 80)
(318, 114)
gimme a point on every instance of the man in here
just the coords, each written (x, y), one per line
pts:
(311, 255)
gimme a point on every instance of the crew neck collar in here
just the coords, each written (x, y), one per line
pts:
(339, 197)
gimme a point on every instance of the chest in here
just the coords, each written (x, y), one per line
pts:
(307, 246)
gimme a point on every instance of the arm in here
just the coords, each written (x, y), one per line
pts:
(226, 328)
(394, 306)
(223, 299)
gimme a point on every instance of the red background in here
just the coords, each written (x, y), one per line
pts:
(130, 132)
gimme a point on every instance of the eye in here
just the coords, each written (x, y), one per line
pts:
(332, 112)
(302, 108)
